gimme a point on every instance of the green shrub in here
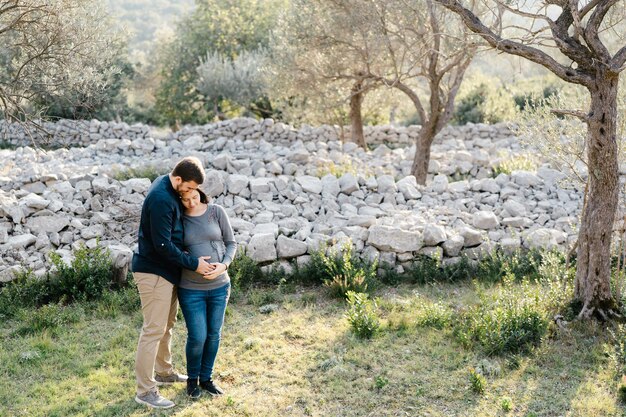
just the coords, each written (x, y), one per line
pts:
(312, 273)
(531, 101)
(506, 404)
(24, 291)
(49, 317)
(347, 273)
(477, 381)
(512, 320)
(244, 272)
(515, 163)
(381, 382)
(426, 270)
(361, 315)
(434, 315)
(87, 278)
(484, 103)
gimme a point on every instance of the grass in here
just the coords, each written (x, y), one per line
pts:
(303, 360)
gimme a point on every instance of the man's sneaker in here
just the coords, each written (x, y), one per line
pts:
(170, 379)
(193, 390)
(211, 388)
(154, 400)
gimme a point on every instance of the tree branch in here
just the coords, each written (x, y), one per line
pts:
(575, 113)
(515, 48)
(591, 31)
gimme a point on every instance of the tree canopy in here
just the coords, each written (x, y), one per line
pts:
(54, 49)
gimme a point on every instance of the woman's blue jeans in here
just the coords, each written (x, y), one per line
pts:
(204, 316)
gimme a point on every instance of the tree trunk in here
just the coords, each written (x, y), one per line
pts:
(356, 118)
(593, 271)
(422, 153)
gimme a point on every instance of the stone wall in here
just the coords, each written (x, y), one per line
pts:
(287, 191)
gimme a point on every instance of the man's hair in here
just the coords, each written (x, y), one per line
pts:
(189, 169)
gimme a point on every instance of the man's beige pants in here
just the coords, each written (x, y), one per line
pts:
(159, 305)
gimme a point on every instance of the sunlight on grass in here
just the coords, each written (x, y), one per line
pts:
(303, 360)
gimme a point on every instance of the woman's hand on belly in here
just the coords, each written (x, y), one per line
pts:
(218, 269)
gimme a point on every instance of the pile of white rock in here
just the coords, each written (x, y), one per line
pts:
(288, 193)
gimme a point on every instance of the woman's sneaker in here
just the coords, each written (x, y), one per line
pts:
(193, 390)
(154, 400)
(211, 388)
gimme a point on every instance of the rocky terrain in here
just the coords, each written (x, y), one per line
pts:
(288, 191)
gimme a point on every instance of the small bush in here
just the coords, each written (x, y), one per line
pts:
(26, 290)
(244, 272)
(434, 315)
(312, 273)
(361, 315)
(380, 382)
(87, 278)
(511, 321)
(506, 404)
(426, 270)
(516, 163)
(477, 381)
(346, 273)
(531, 101)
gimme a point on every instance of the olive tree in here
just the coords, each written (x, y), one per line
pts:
(54, 49)
(579, 42)
(356, 46)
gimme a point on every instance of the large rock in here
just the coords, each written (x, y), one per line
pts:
(262, 247)
(485, 220)
(452, 247)
(47, 224)
(525, 178)
(213, 184)
(290, 248)
(393, 239)
(236, 183)
(472, 237)
(310, 184)
(434, 234)
(348, 183)
(408, 187)
(21, 241)
(439, 183)
(514, 208)
(34, 201)
(8, 274)
(544, 238)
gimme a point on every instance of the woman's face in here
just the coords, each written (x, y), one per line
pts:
(190, 199)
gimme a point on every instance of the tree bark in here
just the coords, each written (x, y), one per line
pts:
(421, 160)
(593, 272)
(356, 117)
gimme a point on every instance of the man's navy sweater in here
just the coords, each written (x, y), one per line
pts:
(160, 248)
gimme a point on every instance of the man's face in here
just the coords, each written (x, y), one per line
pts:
(184, 187)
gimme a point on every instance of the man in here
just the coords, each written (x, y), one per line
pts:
(156, 269)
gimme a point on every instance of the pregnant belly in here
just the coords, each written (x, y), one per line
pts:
(213, 249)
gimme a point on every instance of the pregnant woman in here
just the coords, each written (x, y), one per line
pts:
(203, 299)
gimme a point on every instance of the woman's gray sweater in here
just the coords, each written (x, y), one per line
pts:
(209, 234)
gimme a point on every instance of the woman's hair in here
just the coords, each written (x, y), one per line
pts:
(203, 197)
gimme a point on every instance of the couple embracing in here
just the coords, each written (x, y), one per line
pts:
(185, 248)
